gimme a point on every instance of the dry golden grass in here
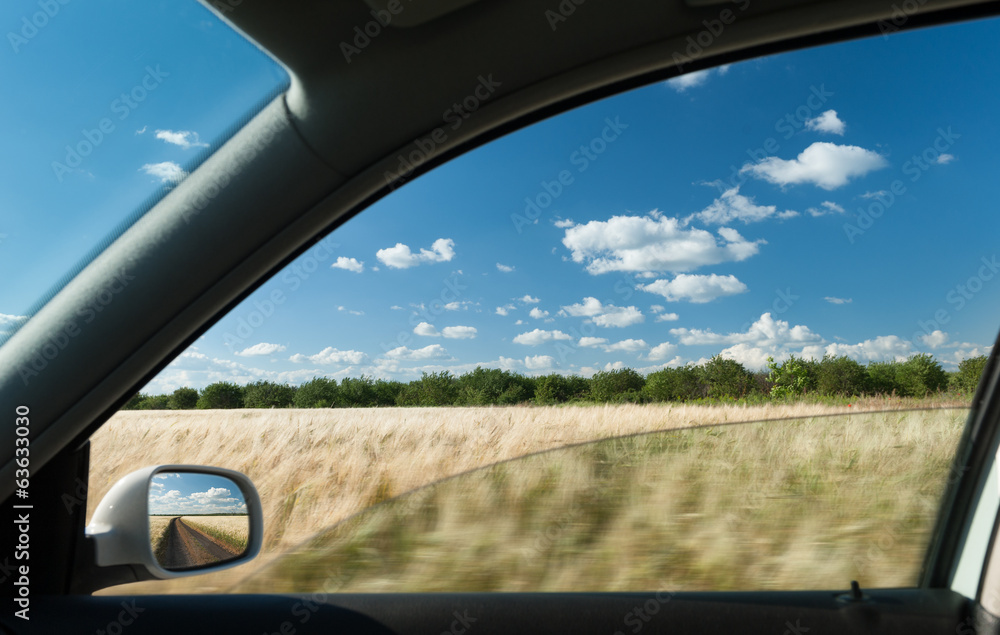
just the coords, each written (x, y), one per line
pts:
(234, 531)
(314, 468)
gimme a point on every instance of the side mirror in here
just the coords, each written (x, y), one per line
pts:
(178, 520)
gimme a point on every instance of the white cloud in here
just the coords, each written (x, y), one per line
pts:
(945, 159)
(539, 336)
(400, 256)
(695, 78)
(884, 347)
(167, 171)
(183, 138)
(538, 314)
(9, 323)
(459, 332)
(607, 315)
(539, 362)
(936, 339)
(826, 165)
(828, 207)
(627, 346)
(261, 349)
(349, 264)
(592, 341)
(426, 329)
(732, 205)
(827, 122)
(667, 317)
(527, 299)
(661, 351)
(330, 355)
(652, 243)
(833, 300)
(434, 351)
(504, 268)
(766, 331)
(697, 289)
(505, 309)
(753, 357)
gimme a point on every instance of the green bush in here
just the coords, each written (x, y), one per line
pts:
(969, 372)
(267, 394)
(318, 392)
(154, 402)
(615, 386)
(793, 377)
(883, 378)
(183, 399)
(357, 393)
(492, 386)
(675, 384)
(727, 378)
(921, 375)
(220, 395)
(841, 376)
(387, 391)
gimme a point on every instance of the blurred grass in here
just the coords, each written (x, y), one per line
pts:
(803, 504)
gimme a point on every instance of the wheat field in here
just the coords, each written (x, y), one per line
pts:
(315, 468)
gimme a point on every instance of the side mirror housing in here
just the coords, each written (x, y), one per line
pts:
(172, 521)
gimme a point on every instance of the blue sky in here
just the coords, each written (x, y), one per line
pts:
(184, 493)
(838, 200)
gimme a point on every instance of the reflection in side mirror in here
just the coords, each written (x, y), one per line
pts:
(196, 520)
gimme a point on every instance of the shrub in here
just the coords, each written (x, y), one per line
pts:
(674, 384)
(795, 376)
(726, 378)
(183, 399)
(841, 376)
(387, 391)
(267, 394)
(318, 392)
(613, 386)
(221, 395)
(882, 378)
(357, 393)
(921, 375)
(969, 372)
(492, 386)
(154, 402)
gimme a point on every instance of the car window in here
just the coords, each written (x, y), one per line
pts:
(794, 241)
(118, 102)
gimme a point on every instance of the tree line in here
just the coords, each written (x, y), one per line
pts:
(717, 379)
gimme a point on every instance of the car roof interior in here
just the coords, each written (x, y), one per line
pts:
(331, 145)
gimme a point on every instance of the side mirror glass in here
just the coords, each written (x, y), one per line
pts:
(196, 520)
(170, 521)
